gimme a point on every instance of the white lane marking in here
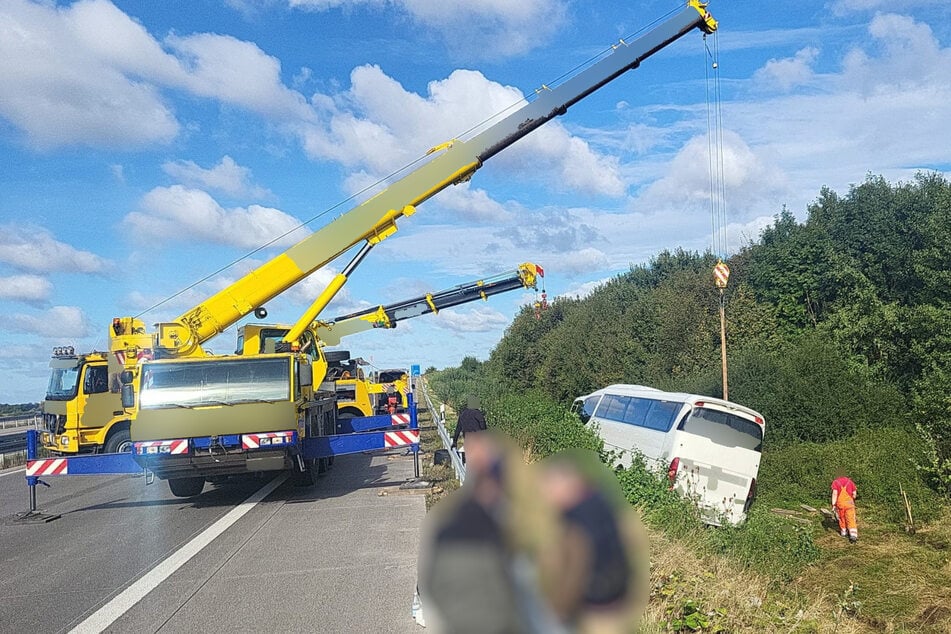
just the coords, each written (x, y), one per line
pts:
(20, 470)
(110, 612)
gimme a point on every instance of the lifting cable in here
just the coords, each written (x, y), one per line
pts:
(718, 215)
(719, 245)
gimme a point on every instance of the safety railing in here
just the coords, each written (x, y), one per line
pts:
(439, 418)
(12, 422)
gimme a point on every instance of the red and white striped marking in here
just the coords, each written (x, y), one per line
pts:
(401, 438)
(47, 467)
(399, 419)
(254, 441)
(175, 447)
(721, 274)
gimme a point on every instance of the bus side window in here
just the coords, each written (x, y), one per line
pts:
(586, 410)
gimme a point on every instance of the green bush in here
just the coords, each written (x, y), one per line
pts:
(877, 460)
(767, 543)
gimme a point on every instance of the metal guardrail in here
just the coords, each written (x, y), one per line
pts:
(439, 418)
(11, 422)
(12, 443)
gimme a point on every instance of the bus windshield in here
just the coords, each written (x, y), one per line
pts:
(217, 382)
(728, 430)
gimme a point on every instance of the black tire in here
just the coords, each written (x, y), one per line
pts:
(307, 477)
(186, 487)
(120, 441)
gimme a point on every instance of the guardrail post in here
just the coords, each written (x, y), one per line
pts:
(414, 424)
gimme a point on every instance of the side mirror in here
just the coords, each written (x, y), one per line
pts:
(306, 375)
(126, 377)
(128, 396)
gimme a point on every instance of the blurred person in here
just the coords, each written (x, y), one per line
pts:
(471, 421)
(465, 579)
(596, 569)
(843, 505)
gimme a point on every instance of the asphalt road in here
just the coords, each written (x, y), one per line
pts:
(337, 557)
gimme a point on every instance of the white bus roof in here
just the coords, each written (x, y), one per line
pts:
(681, 397)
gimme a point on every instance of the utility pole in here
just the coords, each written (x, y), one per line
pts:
(721, 274)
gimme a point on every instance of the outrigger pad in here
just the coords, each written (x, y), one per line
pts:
(34, 517)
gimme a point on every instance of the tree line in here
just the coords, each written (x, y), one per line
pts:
(836, 325)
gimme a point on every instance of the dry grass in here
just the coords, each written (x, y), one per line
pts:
(889, 582)
(732, 599)
(901, 582)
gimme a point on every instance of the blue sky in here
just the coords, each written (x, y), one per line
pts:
(144, 147)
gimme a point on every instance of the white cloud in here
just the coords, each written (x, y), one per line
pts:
(379, 126)
(885, 112)
(227, 177)
(495, 28)
(238, 72)
(748, 179)
(34, 249)
(25, 288)
(582, 290)
(58, 322)
(64, 82)
(841, 7)
(789, 72)
(475, 204)
(479, 319)
(176, 213)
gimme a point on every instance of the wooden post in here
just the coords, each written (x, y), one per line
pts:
(721, 276)
(911, 520)
(726, 390)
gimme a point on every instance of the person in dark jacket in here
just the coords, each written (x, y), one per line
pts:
(471, 420)
(465, 578)
(595, 559)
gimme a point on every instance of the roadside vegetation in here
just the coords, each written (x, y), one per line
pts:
(840, 334)
(19, 409)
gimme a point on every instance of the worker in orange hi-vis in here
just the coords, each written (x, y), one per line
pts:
(843, 505)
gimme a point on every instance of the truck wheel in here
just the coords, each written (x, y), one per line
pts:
(186, 487)
(119, 442)
(306, 478)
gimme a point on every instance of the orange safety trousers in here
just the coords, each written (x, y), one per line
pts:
(845, 509)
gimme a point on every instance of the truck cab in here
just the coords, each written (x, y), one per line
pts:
(81, 414)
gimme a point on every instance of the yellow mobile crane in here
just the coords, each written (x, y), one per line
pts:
(356, 394)
(177, 397)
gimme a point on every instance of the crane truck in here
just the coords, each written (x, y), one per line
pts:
(83, 415)
(195, 416)
(356, 394)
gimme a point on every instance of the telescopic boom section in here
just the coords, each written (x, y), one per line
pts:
(375, 219)
(331, 332)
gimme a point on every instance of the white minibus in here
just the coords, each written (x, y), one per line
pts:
(709, 448)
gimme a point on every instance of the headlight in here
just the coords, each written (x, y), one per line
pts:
(64, 441)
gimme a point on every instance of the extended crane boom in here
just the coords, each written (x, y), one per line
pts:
(375, 219)
(331, 332)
